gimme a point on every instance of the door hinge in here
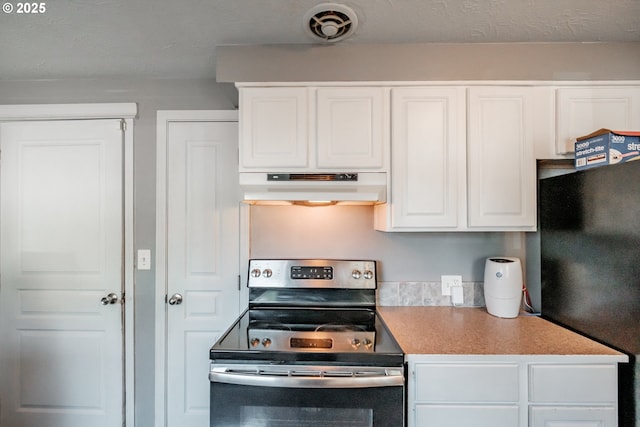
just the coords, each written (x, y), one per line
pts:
(239, 282)
(123, 125)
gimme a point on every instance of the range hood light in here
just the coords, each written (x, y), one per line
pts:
(313, 203)
(269, 202)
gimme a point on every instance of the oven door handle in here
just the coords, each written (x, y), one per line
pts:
(391, 378)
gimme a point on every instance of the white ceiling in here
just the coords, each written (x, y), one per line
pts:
(177, 39)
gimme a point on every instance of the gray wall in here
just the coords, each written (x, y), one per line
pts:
(433, 61)
(347, 232)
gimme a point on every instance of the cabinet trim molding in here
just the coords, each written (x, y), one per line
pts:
(128, 110)
(419, 83)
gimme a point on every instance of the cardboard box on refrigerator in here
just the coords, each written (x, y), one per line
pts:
(606, 147)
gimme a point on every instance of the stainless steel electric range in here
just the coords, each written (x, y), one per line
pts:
(310, 350)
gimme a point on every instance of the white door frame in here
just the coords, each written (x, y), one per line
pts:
(126, 112)
(162, 123)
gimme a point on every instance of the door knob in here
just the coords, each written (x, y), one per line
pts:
(176, 299)
(109, 299)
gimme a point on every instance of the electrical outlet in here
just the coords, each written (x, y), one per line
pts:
(448, 282)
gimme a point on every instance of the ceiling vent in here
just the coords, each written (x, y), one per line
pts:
(330, 22)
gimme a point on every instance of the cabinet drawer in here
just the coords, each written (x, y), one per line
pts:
(467, 382)
(573, 383)
(589, 416)
(467, 415)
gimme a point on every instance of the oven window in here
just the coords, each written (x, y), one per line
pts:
(250, 406)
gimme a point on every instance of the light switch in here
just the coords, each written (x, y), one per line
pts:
(144, 259)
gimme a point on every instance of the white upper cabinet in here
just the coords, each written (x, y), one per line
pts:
(582, 110)
(428, 160)
(350, 128)
(460, 158)
(307, 129)
(500, 158)
(453, 171)
(274, 127)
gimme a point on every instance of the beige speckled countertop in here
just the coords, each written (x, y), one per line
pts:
(451, 330)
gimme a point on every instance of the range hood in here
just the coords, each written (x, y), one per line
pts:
(314, 188)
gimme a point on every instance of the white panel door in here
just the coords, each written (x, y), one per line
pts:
(500, 158)
(203, 259)
(62, 253)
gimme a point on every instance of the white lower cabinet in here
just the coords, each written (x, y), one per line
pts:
(511, 391)
(465, 394)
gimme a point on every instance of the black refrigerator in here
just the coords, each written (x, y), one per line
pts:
(590, 264)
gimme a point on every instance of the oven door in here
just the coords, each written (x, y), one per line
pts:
(300, 395)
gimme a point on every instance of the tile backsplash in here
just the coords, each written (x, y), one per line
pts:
(426, 294)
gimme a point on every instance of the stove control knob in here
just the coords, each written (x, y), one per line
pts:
(254, 342)
(367, 343)
(255, 272)
(356, 274)
(368, 274)
(355, 343)
(267, 273)
(266, 342)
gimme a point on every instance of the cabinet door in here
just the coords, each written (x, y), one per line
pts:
(274, 128)
(428, 158)
(500, 154)
(587, 416)
(351, 125)
(581, 111)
